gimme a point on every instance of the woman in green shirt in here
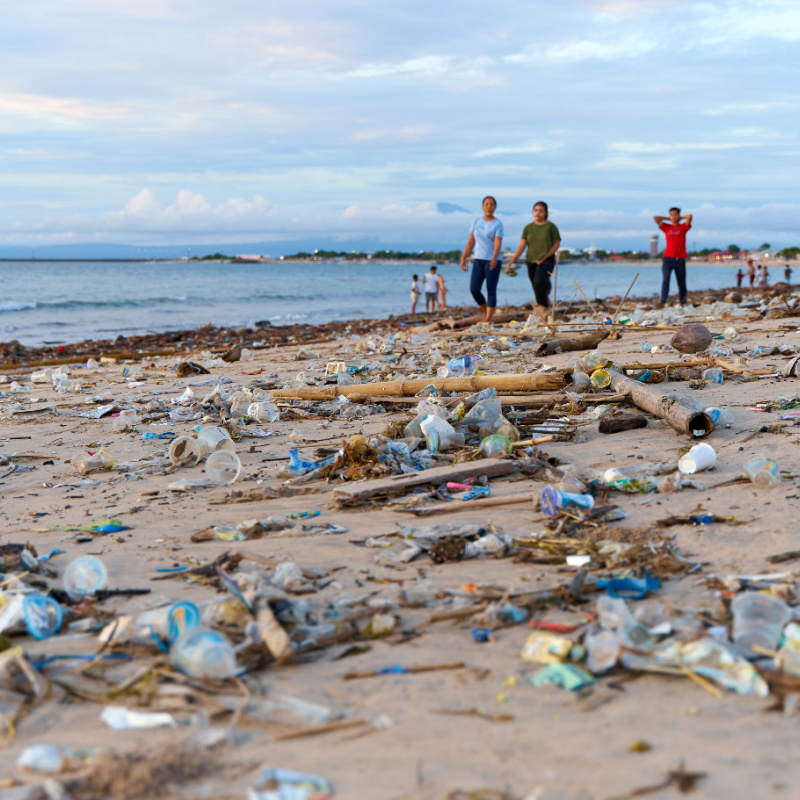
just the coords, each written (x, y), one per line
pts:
(542, 239)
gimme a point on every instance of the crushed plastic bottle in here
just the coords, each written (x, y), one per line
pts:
(440, 435)
(721, 417)
(264, 412)
(84, 577)
(553, 501)
(458, 367)
(713, 375)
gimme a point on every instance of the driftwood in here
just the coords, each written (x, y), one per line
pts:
(586, 341)
(538, 381)
(354, 493)
(466, 505)
(622, 422)
(685, 415)
(465, 322)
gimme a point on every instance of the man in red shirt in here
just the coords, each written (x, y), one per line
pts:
(674, 252)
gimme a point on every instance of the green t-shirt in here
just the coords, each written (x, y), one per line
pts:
(540, 239)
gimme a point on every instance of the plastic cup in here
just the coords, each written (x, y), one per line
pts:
(84, 577)
(763, 472)
(263, 412)
(496, 445)
(43, 615)
(216, 439)
(202, 653)
(700, 457)
(758, 619)
(600, 379)
(223, 467)
(182, 617)
(186, 450)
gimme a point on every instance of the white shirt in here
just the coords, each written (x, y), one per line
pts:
(431, 282)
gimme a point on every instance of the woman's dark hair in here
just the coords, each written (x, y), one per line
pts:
(416, 277)
(544, 206)
(488, 197)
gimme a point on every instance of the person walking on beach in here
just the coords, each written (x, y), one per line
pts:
(675, 252)
(760, 276)
(442, 293)
(542, 239)
(486, 238)
(787, 274)
(431, 286)
(765, 277)
(415, 293)
(751, 274)
(739, 278)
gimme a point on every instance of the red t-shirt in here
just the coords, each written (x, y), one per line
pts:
(676, 239)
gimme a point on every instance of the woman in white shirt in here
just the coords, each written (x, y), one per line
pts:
(486, 238)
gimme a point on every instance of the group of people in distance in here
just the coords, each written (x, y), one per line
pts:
(435, 291)
(760, 276)
(541, 239)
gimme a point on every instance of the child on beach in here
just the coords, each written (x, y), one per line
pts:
(739, 277)
(415, 293)
(442, 293)
(751, 274)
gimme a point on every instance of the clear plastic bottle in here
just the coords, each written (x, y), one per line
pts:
(203, 653)
(721, 417)
(84, 577)
(223, 467)
(458, 367)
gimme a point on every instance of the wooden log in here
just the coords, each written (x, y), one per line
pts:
(622, 422)
(685, 415)
(537, 381)
(497, 319)
(354, 493)
(586, 341)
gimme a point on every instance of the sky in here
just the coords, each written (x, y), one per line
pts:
(155, 122)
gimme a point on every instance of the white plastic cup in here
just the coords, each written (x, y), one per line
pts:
(699, 458)
(758, 619)
(763, 472)
(216, 439)
(223, 467)
(264, 412)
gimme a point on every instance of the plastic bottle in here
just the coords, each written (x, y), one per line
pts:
(101, 460)
(721, 417)
(264, 412)
(763, 472)
(594, 360)
(713, 375)
(553, 501)
(203, 653)
(458, 367)
(580, 380)
(84, 577)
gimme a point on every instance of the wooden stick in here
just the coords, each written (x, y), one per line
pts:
(614, 318)
(594, 310)
(583, 341)
(701, 681)
(318, 730)
(555, 289)
(466, 505)
(374, 673)
(529, 442)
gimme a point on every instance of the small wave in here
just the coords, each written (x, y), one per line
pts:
(143, 302)
(16, 306)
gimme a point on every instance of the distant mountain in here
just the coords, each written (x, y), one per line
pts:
(450, 208)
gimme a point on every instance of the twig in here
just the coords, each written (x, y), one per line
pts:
(318, 730)
(614, 318)
(374, 673)
(701, 681)
(594, 310)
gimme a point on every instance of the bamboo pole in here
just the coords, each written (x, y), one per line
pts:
(686, 416)
(614, 318)
(548, 381)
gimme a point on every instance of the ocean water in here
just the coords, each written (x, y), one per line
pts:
(45, 302)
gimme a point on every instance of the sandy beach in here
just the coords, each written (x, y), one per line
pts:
(477, 723)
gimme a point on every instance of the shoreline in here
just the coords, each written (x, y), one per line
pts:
(210, 336)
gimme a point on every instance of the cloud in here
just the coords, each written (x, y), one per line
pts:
(647, 147)
(585, 50)
(534, 147)
(37, 106)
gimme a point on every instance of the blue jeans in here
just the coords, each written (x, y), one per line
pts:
(481, 272)
(667, 266)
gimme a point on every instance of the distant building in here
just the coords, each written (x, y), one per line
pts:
(654, 246)
(250, 257)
